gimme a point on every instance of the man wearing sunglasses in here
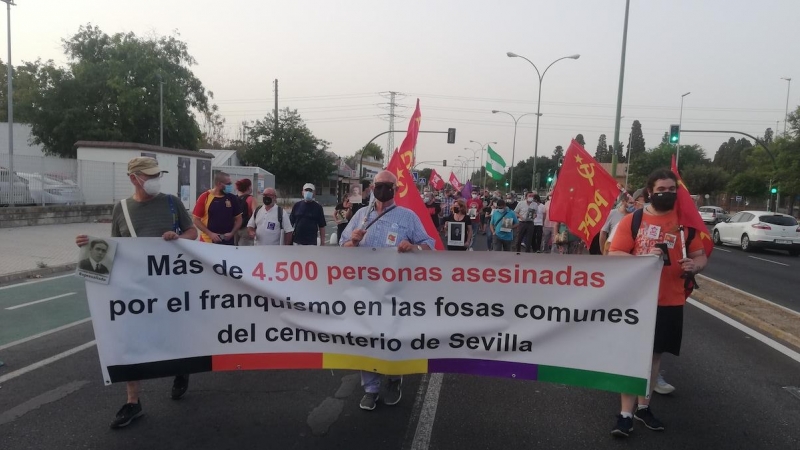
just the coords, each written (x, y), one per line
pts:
(384, 224)
(217, 213)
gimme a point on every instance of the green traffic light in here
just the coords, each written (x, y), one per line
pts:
(673, 139)
(506, 183)
(774, 190)
(549, 179)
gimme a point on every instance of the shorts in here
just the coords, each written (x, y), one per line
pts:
(669, 330)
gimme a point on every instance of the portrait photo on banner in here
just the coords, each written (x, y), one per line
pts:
(96, 260)
(455, 233)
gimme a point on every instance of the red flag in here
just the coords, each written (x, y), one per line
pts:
(688, 215)
(584, 195)
(407, 195)
(407, 147)
(436, 180)
(454, 182)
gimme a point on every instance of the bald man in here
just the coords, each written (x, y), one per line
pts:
(384, 224)
(269, 221)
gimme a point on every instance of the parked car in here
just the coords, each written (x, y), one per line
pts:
(713, 214)
(760, 229)
(49, 191)
(18, 189)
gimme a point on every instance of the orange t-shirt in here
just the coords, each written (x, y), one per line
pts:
(656, 230)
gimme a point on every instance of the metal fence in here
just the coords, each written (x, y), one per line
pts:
(43, 181)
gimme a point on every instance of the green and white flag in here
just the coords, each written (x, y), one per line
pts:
(495, 165)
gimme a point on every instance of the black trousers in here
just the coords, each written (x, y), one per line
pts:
(525, 236)
(537, 238)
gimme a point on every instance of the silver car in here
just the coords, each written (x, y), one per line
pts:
(760, 229)
(15, 192)
(713, 214)
(49, 191)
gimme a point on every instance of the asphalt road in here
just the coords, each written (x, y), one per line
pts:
(731, 393)
(771, 274)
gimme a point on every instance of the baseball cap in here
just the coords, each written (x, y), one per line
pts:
(309, 186)
(638, 193)
(145, 165)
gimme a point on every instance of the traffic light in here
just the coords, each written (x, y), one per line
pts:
(444, 163)
(560, 161)
(506, 183)
(774, 190)
(674, 134)
(451, 135)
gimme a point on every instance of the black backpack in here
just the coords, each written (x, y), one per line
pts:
(245, 207)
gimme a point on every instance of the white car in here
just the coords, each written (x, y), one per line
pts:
(713, 214)
(760, 229)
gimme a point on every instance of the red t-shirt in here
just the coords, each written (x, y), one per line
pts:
(656, 230)
(477, 205)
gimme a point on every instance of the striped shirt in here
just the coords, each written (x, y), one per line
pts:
(398, 225)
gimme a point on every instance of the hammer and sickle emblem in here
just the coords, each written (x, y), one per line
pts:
(587, 171)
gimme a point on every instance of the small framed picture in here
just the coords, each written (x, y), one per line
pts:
(355, 193)
(456, 233)
(96, 260)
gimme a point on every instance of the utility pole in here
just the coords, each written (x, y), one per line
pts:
(276, 104)
(619, 90)
(10, 108)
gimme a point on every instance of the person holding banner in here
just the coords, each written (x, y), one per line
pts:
(148, 213)
(659, 233)
(385, 224)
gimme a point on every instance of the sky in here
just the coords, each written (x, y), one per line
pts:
(334, 59)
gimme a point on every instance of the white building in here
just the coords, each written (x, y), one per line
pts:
(22, 140)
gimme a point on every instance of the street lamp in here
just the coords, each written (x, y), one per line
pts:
(538, 104)
(483, 147)
(10, 107)
(514, 145)
(161, 107)
(474, 158)
(680, 122)
(785, 116)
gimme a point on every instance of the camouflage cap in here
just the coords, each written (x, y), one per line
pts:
(145, 165)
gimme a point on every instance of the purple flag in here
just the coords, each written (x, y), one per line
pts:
(466, 191)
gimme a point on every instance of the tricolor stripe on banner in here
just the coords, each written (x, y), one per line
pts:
(272, 361)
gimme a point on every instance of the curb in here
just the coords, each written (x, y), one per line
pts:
(751, 321)
(36, 273)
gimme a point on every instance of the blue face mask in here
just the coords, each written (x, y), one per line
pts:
(308, 195)
(229, 188)
(630, 209)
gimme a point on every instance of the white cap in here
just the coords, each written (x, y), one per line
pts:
(309, 186)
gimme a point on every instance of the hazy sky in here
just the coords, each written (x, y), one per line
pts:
(333, 58)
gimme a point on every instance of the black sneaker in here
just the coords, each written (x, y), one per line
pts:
(127, 414)
(179, 386)
(369, 401)
(624, 426)
(646, 416)
(393, 392)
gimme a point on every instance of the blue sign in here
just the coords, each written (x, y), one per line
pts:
(415, 176)
(423, 181)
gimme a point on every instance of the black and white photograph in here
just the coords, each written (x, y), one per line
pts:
(455, 233)
(355, 193)
(96, 260)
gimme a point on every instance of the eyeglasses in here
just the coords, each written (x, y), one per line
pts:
(308, 190)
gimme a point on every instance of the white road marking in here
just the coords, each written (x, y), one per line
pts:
(37, 281)
(422, 437)
(44, 362)
(44, 333)
(769, 261)
(747, 330)
(745, 293)
(722, 249)
(40, 301)
(41, 400)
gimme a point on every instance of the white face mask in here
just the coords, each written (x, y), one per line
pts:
(152, 186)
(474, 195)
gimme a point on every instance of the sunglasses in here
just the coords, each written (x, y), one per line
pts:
(308, 190)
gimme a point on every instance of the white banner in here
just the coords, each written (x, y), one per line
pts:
(181, 306)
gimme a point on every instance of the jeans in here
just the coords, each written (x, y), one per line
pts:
(547, 239)
(475, 227)
(524, 237)
(488, 238)
(499, 245)
(371, 381)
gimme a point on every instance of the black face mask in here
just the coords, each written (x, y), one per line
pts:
(384, 192)
(663, 201)
(267, 200)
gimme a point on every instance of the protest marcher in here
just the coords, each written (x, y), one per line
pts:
(625, 206)
(503, 223)
(308, 219)
(547, 228)
(460, 214)
(538, 224)
(269, 221)
(511, 201)
(218, 213)
(434, 209)
(385, 224)
(474, 210)
(659, 233)
(487, 217)
(526, 211)
(564, 241)
(344, 211)
(447, 202)
(247, 205)
(148, 213)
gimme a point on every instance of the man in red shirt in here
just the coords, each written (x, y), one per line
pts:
(217, 213)
(475, 212)
(659, 231)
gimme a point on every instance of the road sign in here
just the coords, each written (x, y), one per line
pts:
(423, 181)
(415, 176)
(738, 198)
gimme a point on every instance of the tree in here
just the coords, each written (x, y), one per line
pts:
(601, 154)
(748, 185)
(665, 138)
(27, 83)
(732, 155)
(768, 135)
(109, 91)
(661, 157)
(370, 150)
(620, 154)
(794, 123)
(580, 140)
(558, 153)
(705, 179)
(290, 151)
(637, 146)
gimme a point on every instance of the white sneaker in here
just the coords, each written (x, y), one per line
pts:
(662, 387)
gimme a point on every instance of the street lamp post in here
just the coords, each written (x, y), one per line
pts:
(161, 108)
(538, 105)
(680, 123)
(483, 148)
(474, 159)
(785, 116)
(514, 145)
(10, 107)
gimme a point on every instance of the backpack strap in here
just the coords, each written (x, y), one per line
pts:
(280, 218)
(127, 216)
(255, 224)
(176, 225)
(636, 223)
